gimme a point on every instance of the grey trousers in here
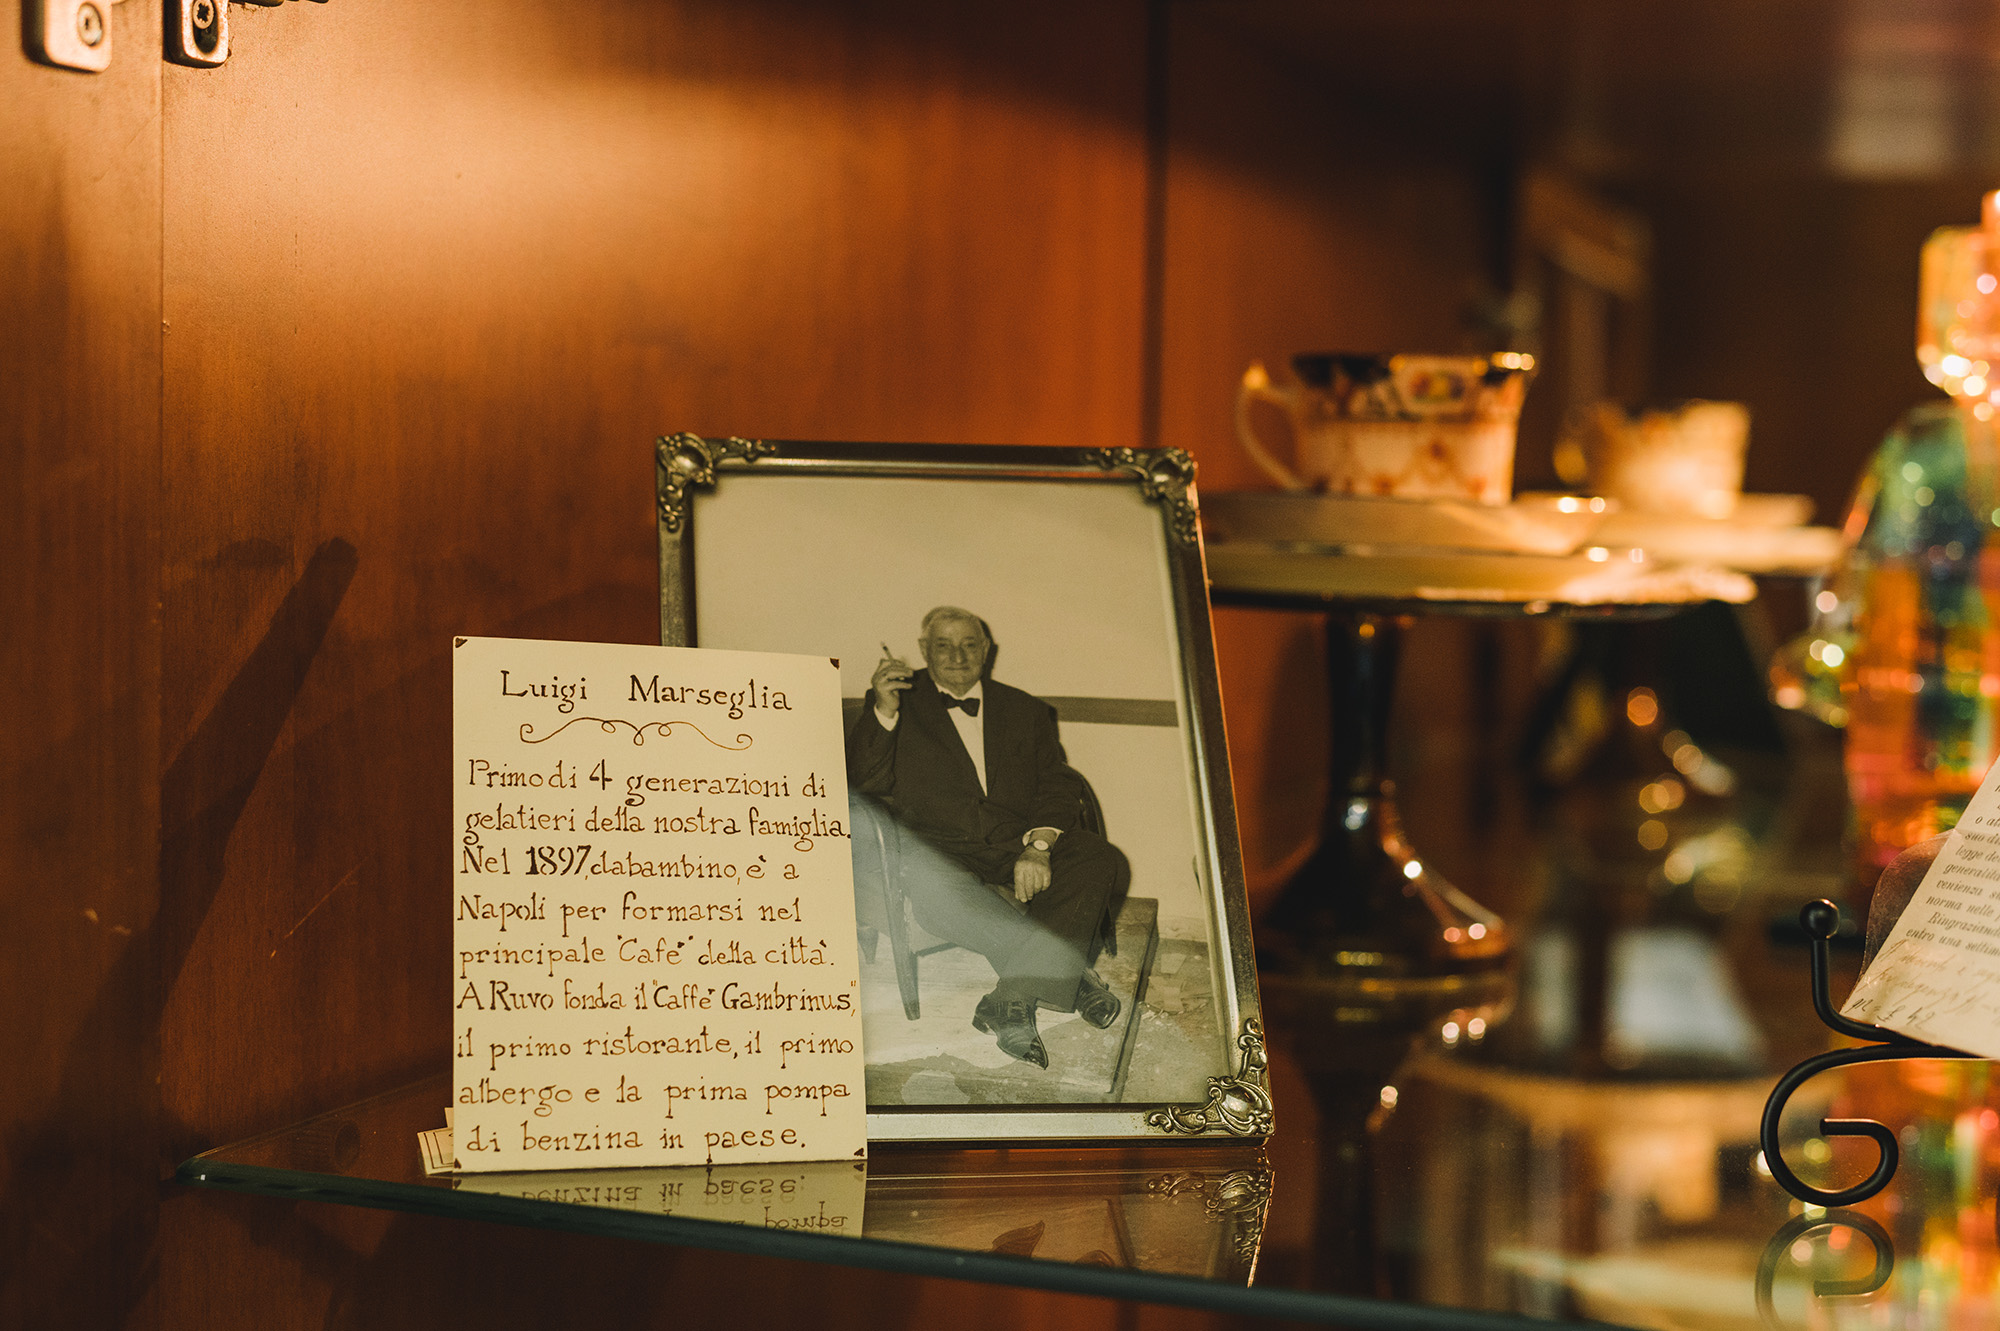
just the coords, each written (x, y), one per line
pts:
(1038, 950)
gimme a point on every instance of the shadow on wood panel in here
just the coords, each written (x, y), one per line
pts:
(78, 1214)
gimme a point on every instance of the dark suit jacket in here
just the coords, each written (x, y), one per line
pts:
(923, 771)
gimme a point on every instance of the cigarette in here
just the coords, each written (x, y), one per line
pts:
(887, 655)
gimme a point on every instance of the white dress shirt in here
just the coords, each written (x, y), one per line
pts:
(971, 729)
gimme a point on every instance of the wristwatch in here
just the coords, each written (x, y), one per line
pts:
(1040, 838)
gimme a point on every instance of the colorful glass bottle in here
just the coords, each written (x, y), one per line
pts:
(1902, 650)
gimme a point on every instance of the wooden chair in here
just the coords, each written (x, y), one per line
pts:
(882, 900)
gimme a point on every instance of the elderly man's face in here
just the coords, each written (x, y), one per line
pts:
(956, 653)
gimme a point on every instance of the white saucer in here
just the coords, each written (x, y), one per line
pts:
(1532, 524)
(1600, 576)
(1763, 535)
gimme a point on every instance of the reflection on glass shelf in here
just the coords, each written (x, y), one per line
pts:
(1592, 1157)
(816, 1196)
(1203, 1222)
(1198, 1222)
(1108, 1213)
(1649, 1205)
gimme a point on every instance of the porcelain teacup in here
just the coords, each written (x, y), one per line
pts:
(1395, 426)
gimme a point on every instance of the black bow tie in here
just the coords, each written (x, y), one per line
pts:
(970, 705)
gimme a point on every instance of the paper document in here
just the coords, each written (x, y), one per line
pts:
(653, 950)
(1937, 977)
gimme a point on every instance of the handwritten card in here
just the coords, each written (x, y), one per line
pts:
(654, 959)
(1937, 977)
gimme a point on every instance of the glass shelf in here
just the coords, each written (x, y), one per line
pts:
(1177, 1223)
(1488, 1198)
(1589, 1155)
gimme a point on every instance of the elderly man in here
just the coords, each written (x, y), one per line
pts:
(975, 769)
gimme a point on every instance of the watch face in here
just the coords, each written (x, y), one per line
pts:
(1041, 845)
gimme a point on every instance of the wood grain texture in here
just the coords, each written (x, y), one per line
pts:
(1800, 299)
(1294, 223)
(435, 278)
(79, 468)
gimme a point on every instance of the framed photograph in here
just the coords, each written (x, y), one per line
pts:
(1054, 934)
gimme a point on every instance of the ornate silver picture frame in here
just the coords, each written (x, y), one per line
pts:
(1064, 587)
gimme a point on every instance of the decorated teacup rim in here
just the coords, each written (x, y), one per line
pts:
(1316, 369)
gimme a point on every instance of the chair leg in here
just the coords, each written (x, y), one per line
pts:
(1105, 941)
(906, 965)
(899, 936)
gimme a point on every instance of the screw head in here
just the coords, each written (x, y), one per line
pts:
(90, 24)
(203, 13)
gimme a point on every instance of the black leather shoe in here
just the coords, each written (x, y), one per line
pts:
(1011, 1023)
(1095, 1003)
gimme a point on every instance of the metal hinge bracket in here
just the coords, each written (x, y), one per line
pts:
(76, 34)
(70, 34)
(198, 30)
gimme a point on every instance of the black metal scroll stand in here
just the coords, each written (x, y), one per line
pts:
(1820, 919)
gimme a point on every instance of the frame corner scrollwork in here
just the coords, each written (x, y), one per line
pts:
(1165, 476)
(1240, 1199)
(1239, 1106)
(687, 460)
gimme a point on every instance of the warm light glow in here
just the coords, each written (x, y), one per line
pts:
(1597, 505)
(1413, 870)
(1985, 283)
(1597, 554)
(1913, 472)
(1389, 1097)
(1642, 708)
(1477, 1027)
(1652, 834)
(1827, 602)
(1450, 1032)
(1477, 931)
(1452, 935)
(1832, 656)
(1662, 796)
(1568, 504)
(1973, 386)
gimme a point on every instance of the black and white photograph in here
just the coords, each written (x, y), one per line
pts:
(1042, 899)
